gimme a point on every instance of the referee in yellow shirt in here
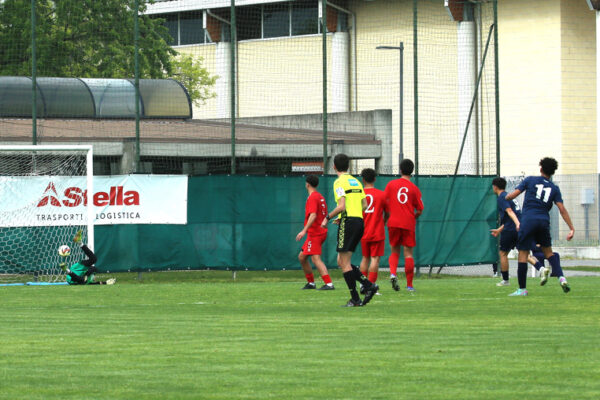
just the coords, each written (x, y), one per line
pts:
(351, 201)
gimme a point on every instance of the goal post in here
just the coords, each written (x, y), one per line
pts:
(46, 193)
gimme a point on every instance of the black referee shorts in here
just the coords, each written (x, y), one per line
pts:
(350, 231)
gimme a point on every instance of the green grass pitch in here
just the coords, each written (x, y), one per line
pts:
(202, 336)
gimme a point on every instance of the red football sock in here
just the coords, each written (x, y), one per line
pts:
(364, 273)
(373, 277)
(409, 269)
(310, 278)
(326, 279)
(393, 260)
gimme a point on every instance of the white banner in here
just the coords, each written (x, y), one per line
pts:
(61, 200)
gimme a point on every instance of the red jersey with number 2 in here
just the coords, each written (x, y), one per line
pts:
(316, 204)
(403, 199)
(373, 215)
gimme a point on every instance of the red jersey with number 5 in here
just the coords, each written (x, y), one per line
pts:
(403, 199)
(316, 204)
(373, 215)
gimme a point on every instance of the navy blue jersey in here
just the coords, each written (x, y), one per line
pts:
(505, 219)
(540, 194)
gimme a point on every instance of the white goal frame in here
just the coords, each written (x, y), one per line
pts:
(89, 175)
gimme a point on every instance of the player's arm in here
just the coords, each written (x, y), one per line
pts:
(341, 207)
(497, 231)
(567, 218)
(364, 204)
(311, 219)
(513, 195)
(513, 216)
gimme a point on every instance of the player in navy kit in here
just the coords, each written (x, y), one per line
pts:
(509, 225)
(540, 194)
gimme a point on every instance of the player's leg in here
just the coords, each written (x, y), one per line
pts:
(306, 268)
(554, 260)
(354, 232)
(409, 267)
(365, 262)
(374, 269)
(322, 268)
(91, 257)
(503, 268)
(522, 274)
(408, 241)
(366, 257)
(110, 281)
(394, 258)
(343, 260)
(524, 243)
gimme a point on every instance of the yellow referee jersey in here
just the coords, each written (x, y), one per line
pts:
(349, 187)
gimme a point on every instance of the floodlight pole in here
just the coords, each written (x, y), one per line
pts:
(33, 77)
(401, 103)
(136, 58)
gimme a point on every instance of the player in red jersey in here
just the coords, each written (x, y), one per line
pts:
(373, 240)
(315, 212)
(405, 206)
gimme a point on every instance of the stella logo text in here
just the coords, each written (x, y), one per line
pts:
(74, 196)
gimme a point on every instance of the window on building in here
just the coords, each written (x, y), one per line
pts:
(305, 17)
(276, 20)
(172, 24)
(248, 22)
(190, 25)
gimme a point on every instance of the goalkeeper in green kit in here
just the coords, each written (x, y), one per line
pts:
(82, 272)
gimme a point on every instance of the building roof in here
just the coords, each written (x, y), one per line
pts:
(189, 138)
(93, 98)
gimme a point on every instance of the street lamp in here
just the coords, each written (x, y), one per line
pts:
(401, 106)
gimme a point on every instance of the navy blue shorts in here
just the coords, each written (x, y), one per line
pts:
(534, 231)
(508, 240)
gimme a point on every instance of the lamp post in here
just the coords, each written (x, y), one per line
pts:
(401, 106)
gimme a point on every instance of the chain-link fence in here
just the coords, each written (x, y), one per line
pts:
(217, 87)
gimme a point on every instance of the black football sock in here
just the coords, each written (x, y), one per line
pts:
(360, 277)
(505, 275)
(351, 282)
(494, 267)
(522, 275)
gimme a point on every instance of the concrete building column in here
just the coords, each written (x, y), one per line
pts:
(467, 77)
(339, 75)
(223, 86)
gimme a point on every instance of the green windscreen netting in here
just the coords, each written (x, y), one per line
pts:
(250, 222)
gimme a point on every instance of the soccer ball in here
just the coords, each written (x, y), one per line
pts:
(64, 250)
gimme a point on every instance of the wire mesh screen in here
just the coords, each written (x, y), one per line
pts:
(245, 88)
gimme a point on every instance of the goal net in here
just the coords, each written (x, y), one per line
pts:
(46, 199)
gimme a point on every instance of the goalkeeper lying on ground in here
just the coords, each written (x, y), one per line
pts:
(82, 273)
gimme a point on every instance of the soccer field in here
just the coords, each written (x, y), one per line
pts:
(203, 336)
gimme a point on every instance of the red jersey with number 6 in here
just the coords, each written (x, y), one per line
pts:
(403, 199)
(316, 204)
(373, 215)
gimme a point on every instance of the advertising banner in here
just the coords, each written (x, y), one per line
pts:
(62, 200)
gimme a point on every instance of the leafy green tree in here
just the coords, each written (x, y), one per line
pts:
(93, 39)
(197, 80)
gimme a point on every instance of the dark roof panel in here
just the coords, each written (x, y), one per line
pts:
(93, 98)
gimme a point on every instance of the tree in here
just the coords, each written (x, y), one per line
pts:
(197, 80)
(92, 39)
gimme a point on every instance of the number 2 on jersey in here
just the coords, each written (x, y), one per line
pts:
(370, 208)
(546, 190)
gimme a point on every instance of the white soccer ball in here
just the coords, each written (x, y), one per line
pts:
(64, 250)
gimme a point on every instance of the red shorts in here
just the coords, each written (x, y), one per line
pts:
(313, 244)
(372, 249)
(401, 237)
